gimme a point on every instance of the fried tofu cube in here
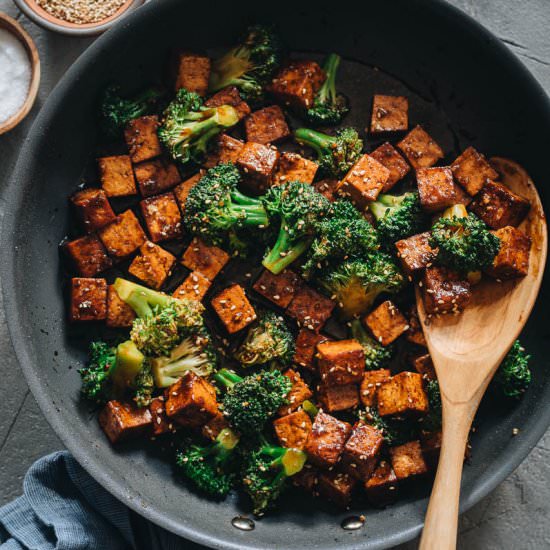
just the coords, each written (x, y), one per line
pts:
(278, 289)
(389, 113)
(181, 191)
(362, 450)
(472, 171)
(298, 393)
(336, 486)
(310, 309)
(415, 253)
(257, 162)
(229, 96)
(162, 217)
(153, 265)
(156, 176)
(88, 299)
(119, 313)
(207, 260)
(124, 236)
(233, 308)
(341, 362)
(381, 487)
(388, 156)
(326, 440)
(444, 291)
(407, 460)
(338, 398)
(213, 427)
(420, 148)
(305, 347)
(307, 479)
(268, 125)
(402, 394)
(327, 188)
(88, 255)
(436, 188)
(372, 380)
(424, 365)
(364, 181)
(117, 176)
(294, 167)
(194, 287)
(193, 73)
(431, 447)
(498, 206)
(226, 149)
(415, 334)
(161, 424)
(512, 260)
(293, 429)
(123, 421)
(142, 139)
(386, 323)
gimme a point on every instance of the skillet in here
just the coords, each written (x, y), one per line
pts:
(472, 90)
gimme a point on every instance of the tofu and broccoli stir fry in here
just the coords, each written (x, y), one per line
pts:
(250, 261)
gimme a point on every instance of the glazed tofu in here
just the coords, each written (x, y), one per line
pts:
(160, 422)
(338, 398)
(123, 421)
(386, 323)
(278, 289)
(88, 255)
(407, 460)
(233, 308)
(194, 287)
(257, 163)
(306, 344)
(207, 260)
(472, 171)
(372, 380)
(225, 149)
(310, 309)
(364, 181)
(362, 450)
(420, 149)
(402, 394)
(388, 156)
(326, 440)
(423, 365)
(327, 188)
(156, 176)
(119, 313)
(124, 236)
(431, 447)
(117, 176)
(436, 188)
(88, 299)
(268, 125)
(153, 265)
(389, 114)
(294, 167)
(213, 427)
(298, 393)
(193, 73)
(293, 429)
(415, 334)
(229, 96)
(336, 486)
(415, 253)
(181, 191)
(512, 260)
(444, 291)
(381, 487)
(142, 139)
(341, 362)
(498, 206)
(162, 217)
(307, 479)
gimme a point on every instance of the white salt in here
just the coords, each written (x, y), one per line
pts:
(15, 75)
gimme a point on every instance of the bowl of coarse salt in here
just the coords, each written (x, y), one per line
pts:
(19, 73)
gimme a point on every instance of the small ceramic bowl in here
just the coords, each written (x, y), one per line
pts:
(11, 25)
(45, 19)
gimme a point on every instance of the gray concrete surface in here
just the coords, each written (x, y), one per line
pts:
(514, 517)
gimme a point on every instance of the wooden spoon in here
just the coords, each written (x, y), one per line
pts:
(468, 348)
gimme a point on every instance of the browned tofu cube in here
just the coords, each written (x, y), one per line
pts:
(402, 394)
(268, 125)
(444, 291)
(119, 313)
(162, 217)
(153, 265)
(341, 362)
(142, 139)
(389, 113)
(326, 440)
(161, 424)
(338, 398)
(310, 309)
(88, 255)
(213, 427)
(472, 171)
(512, 259)
(278, 289)
(416, 253)
(436, 188)
(194, 287)
(364, 181)
(117, 176)
(420, 149)
(307, 479)
(431, 447)
(462, 197)
(208, 260)
(233, 308)
(306, 344)
(415, 334)
(336, 486)
(124, 236)
(297, 83)
(182, 190)
(257, 162)
(498, 207)
(191, 401)
(386, 323)
(423, 365)
(225, 149)
(88, 299)
(229, 96)
(156, 176)
(407, 460)
(327, 188)
(293, 429)
(372, 380)
(193, 73)
(362, 450)
(294, 167)
(388, 156)
(381, 487)
(298, 393)
(93, 209)
(123, 421)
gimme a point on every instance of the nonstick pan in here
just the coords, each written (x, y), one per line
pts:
(463, 83)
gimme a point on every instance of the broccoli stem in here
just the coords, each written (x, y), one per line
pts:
(284, 252)
(310, 408)
(128, 363)
(319, 142)
(384, 204)
(328, 89)
(358, 331)
(227, 378)
(140, 298)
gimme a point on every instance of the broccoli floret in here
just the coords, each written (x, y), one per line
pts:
(250, 65)
(128, 365)
(464, 241)
(96, 383)
(395, 432)
(144, 386)
(335, 154)
(250, 401)
(432, 420)
(300, 208)
(270, 342)
(210, 467)
(376, 355)
(514, 376)
(329, 107)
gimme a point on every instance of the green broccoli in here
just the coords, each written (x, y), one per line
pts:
(514, 376)
(376, 355)
(144, 385)
(432, 420)
(395, 431)
(96, 383)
